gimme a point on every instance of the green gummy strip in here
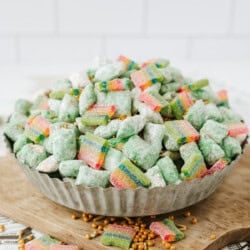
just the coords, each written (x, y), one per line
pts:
(133, 177)
(95, 120)
(192, 164)
(179, 235)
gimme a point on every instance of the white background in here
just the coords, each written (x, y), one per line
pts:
(42, 40)
(58, 31)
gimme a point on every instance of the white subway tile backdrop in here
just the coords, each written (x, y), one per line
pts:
(63, 31)
(190, 17)
(43, 40)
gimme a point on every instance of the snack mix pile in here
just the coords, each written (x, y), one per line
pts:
(127, 125)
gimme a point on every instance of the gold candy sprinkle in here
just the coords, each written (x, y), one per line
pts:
(194, 220)
(212, 236)
(30, 237)
(2, 228)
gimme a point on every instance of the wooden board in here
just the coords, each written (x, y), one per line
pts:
(226, 213)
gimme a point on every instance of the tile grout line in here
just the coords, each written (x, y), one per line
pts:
(131, 35)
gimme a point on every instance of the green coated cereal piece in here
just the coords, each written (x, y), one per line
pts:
(61, 88)
(231, 147)
(32, 155)
(169, 96)
(91, 74)
(64, 144)
(211, 151)
(121, 100)
(170, 144)
(127, 74)
(135, 92)
(188, 149)
(196, 114)
(149, 114)
(153, 134)
(20, 142)
(168, 170)
(155, 176)
(171, 74)
(229, 116)
(117, 143)
(22, 106)
(213, 113)
(58, 125)
(54, 105)
(206, 94)
(50, 115)
(87, 98)
(112, 159)
(82, 127)
(62, 85)
(154, 88)
(70, 168)
(48, 144)
(140, 152)
(170, 87)
(49, 165)
(131, 126)
(109, 130)
(13, 130)
(100, 96)
(216, 131)
(92, 177)
(109, 71)
(68, 109)
(17, 118)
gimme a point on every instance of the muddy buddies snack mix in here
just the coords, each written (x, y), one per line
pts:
(128, 125)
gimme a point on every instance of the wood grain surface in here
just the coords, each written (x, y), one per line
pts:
(226, 213)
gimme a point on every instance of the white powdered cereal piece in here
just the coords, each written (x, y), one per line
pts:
(109, 71)
(79, 79)
(131, 126)
(107, 131)
(155, 177)
(49, 165)
(153, 134)
(149, 114)
(112, 159)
